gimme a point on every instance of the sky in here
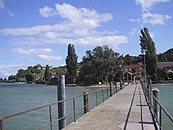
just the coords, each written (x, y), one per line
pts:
(39, 31)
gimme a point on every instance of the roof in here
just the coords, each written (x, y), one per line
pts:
(162, 65)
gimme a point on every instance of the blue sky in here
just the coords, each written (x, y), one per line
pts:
(38, 32)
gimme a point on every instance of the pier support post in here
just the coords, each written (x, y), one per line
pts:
(61, 105)
(156, 105)
(86, 103)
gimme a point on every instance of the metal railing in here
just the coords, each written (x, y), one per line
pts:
(155, 106)
(100, 96)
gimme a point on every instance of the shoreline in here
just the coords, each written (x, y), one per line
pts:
(162, 84)
(97, 86)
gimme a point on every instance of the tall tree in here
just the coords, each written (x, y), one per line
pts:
(148, 45)
(71, 64)
(47, 74)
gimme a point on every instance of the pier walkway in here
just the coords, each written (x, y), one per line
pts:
(126, 110)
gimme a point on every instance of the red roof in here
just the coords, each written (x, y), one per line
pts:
(134, 69)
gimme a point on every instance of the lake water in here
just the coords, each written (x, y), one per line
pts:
(19, 97)
(166, 99)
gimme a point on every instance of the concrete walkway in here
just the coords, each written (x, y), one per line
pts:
(126, 110)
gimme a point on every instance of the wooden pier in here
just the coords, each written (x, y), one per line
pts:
(126, 110)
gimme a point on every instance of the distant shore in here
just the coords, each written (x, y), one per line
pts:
(162, 84)
(90, 86)
(98, 86)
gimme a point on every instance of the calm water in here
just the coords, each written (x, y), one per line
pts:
(19, 97)
(166, 99)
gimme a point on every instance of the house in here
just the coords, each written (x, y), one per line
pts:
(134, 69)
(162, 65)
(55, 74)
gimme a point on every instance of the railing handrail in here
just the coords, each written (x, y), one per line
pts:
(56, 102)
(161, 107)
(53, 103)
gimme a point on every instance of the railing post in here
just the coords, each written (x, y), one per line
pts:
(160, 118)
(86, 102)
(74, 110)
(1, 124)
(121, 87)
(61, 105)
(148, 85)
(96, 98)
(116, 87)
(103, 95)
(50, 117)
(110, 88)
(107, 93)
(155, 103)
(150, 94)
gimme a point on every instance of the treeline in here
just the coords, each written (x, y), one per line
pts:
(98, 65)
(166, 56)
(36, 74)
(101, 64)
(27, 75)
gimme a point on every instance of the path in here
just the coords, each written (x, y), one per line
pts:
(126, 110)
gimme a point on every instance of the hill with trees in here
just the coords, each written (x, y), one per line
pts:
(37, 74)
(166, 56)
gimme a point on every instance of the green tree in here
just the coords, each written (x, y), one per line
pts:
(98, 65)
(47, 74)
(148, 45)
(21, 73)
(71, 64)
(29, 78)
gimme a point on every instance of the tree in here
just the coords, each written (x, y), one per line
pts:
(71, 64)
(47, 74)
(29, 78)
(148, 45)
(99, 65)
(20, 73)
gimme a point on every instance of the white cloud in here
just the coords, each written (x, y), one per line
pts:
(79, 25)
(134, 20)
(10, 13)
(46, 57)
(51, 35)
(2, 5)
(134, 32)
(31, 51)
(82, 16)
(112, 41)
(155, 18)
(47, 11)
(147, 4)
(7, 70)
(74, 19)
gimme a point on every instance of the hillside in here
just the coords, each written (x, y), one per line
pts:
(166, 56)
(35, 74)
